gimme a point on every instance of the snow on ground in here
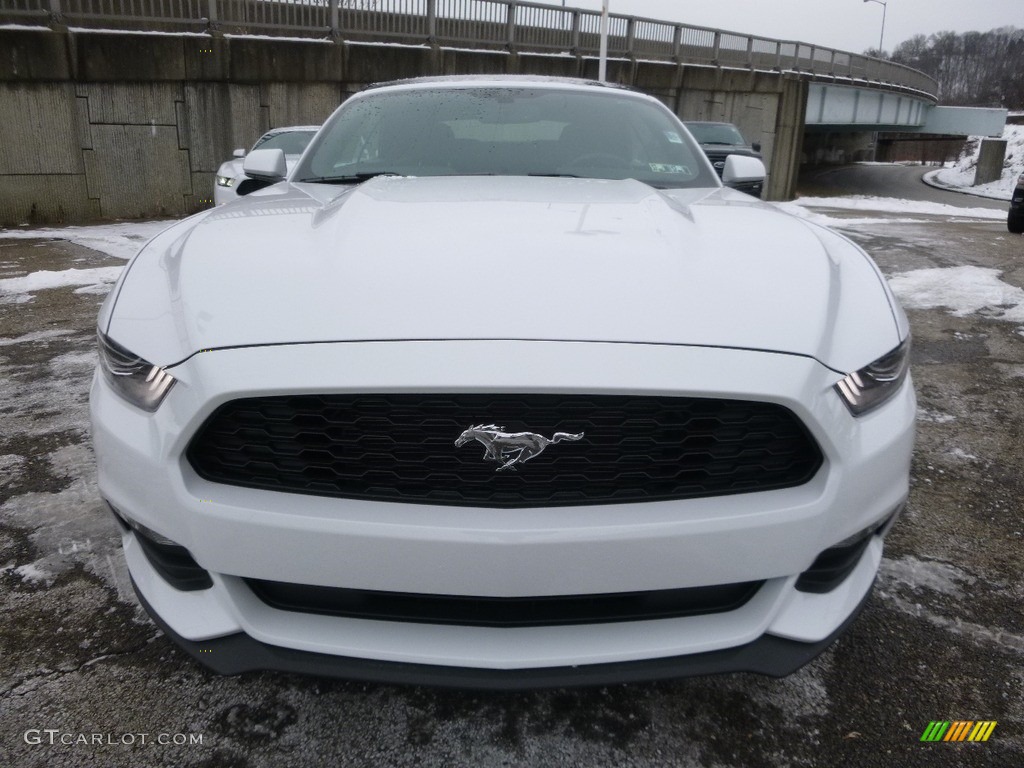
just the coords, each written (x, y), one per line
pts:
(801, 212)
(18, 290)
(934, 417)
(918, 574)
(890, 205)
(961, 173)
(32, 338)
(962, 290)
(121, 240)
(960, 453)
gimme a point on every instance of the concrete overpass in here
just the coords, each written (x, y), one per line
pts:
(842, 123)
(105, 119)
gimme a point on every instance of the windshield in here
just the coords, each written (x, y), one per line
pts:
(518, 131)
(292, 142)
(716, 133)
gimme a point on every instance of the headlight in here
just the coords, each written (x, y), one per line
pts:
(225, 181)
(875, 383)
(139, 382)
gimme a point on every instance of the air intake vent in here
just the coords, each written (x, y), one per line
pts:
(504, 611)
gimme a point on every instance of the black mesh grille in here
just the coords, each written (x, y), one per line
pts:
(402, 448)
(504, 611)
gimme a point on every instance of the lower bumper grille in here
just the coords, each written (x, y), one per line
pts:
(401, 448)
(504, 611)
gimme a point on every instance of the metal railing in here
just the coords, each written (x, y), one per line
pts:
(505, 24)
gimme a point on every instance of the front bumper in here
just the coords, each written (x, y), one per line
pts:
(238, 653)
(237, 533)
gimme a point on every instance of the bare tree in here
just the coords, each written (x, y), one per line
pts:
(980, 69)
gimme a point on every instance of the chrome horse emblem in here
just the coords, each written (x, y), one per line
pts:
(511, 448)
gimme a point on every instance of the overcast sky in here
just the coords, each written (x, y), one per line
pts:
(849, 25)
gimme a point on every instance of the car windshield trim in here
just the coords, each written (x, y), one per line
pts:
(350, 178)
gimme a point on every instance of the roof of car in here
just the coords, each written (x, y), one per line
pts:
(502, 80)
(291, 128)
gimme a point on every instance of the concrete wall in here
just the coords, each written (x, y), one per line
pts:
(926, 150)
(101, 125)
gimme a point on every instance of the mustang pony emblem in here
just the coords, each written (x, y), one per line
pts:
(510, 448)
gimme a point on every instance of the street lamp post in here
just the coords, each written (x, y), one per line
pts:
(602, 57)
(881, 47)
(881, 38)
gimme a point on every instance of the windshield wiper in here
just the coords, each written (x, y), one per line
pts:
(556, 175)
(352, 178)
(722, 143)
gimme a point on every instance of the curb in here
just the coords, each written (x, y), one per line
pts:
(931, 179)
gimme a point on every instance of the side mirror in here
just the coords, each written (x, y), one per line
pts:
(266, 165)
(740, 169)
(238, 153)
(756, 146)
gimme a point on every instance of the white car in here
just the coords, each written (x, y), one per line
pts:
(232, 183)
(502, 388)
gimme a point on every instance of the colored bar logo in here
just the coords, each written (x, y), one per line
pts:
(958, 730)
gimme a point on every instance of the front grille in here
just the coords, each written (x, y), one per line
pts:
(389, 447)
(504, 611)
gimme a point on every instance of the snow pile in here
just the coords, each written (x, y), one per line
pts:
(961, 173)
(96, 280)
(122, 240)
(888, 205)
(962, 290)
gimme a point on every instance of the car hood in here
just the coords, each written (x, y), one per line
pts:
(503, 258)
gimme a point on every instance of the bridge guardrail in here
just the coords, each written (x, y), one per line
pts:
(503, 24)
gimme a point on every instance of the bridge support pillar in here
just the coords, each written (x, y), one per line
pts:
(990, 161)
(767, 107)
(784, 163)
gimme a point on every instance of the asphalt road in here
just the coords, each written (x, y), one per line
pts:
(900, 181)
(942, 637)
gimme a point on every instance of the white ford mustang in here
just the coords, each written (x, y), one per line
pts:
(502, 388)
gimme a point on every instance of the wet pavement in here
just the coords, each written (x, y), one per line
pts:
(87, 680)
(899, 181)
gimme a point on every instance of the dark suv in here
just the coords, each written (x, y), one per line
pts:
(719, 140)
(1015, 218)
